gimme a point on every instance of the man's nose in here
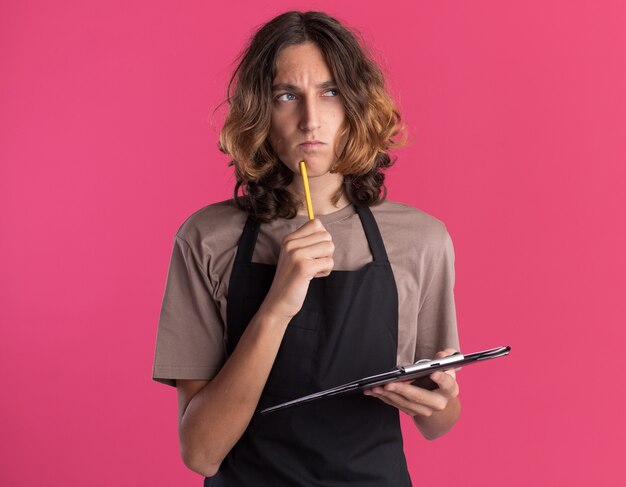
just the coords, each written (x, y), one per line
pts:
(309, 117)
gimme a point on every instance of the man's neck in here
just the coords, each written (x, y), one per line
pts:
(322, 189)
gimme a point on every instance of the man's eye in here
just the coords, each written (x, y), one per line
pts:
(290, 96)
(282, 97)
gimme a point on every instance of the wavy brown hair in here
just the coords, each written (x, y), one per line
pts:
(373, 123)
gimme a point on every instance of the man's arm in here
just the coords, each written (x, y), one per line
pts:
(213, 415)
(439, 422)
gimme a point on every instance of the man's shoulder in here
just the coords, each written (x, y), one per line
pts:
(403, 221)
(213, 222)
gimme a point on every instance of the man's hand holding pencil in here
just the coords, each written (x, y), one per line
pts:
(304, 255)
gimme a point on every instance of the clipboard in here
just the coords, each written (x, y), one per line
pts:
(418, 372)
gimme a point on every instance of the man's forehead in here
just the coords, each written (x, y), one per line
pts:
(300, 56)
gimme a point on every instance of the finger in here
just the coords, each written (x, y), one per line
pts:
(402, 404)
(325, 272)
(451, 373)
(292, 243)
(432, 399)
(315, 250)
(405, 405)
(448, 386)
(321, 267)
(309, 227)
(445, 352)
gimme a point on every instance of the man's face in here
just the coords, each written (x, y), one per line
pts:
(306, 105)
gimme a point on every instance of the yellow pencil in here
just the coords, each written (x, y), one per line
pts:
(307, 193)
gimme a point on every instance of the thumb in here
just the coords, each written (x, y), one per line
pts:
(445, 352)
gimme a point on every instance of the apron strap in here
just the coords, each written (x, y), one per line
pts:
(372, 233)
(247, 241)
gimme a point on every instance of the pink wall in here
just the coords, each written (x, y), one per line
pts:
(517, 112)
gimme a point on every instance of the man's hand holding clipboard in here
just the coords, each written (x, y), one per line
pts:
(423, 396)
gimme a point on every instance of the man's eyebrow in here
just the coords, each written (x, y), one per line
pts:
(290, 87)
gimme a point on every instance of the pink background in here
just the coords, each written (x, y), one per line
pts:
(517, 116)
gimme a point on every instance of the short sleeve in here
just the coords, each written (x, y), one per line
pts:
(190, 334)
(437, 325)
